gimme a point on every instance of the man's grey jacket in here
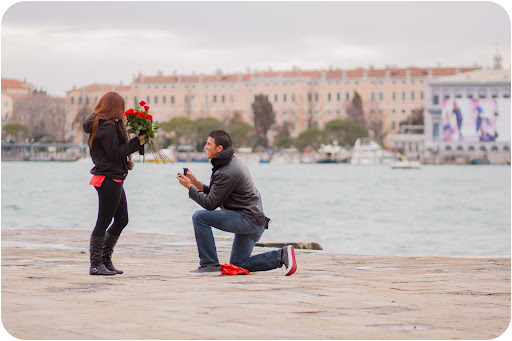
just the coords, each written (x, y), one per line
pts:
(232, 188)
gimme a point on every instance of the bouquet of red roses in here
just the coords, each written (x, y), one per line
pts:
(140, 122)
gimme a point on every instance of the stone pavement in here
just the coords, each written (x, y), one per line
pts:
(47, 293)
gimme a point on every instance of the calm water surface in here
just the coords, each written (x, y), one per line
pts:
(437, 210)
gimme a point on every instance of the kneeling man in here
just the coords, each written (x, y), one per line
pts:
(232, 189)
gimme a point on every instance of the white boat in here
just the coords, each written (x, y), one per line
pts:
(368, 152)
(405, 164)
(333, 153)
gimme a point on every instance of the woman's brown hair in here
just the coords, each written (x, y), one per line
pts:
(110, 107)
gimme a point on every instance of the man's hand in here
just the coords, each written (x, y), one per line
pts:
(197, 184)
(184, 181)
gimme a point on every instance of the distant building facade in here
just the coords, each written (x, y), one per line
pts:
(12, 88)
(301, 98)
(41, 114)
(467, 117)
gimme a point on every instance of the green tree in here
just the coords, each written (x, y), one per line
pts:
(264, 117)
(416, 118)
(181, 127)
(283, 138)
(202, 127)
(242, 135)
(236, 118)
(346, 132)
(15, 131)
(311, 137)
(355, 110)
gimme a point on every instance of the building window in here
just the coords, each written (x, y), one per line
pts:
(393, 124)
(412, 95)
(232, 98)
(348, 96)
(316, 96)
(284, 98)
(421, 95)
(223, 99)
(329, 97)
(403, 96)
(381, 96)
(72, 101)
(338, 97)
(435, 100)
(79, 100)
(372, 96)
(275, 98)
(172, 99)
(135, 100)
(435, 130)
(156, 99)
(164, 99)
(87, 100)
(214, 98)
(147, 99)
(293, 97)
(394, 96)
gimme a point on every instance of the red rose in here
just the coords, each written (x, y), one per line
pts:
(142, 103)
(129, 112)
(141, 114)
(149, 117)
(146, 107)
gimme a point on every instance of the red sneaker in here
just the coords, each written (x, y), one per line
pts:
(288, 260)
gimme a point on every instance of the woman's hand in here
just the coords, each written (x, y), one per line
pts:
(141, 137)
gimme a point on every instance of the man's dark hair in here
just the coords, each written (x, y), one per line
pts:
(221, 138)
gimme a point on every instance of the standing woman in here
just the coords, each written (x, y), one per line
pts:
(111, 151)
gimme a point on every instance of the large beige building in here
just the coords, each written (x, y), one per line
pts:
(302, 98)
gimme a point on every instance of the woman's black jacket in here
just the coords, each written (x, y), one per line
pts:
(109, 152)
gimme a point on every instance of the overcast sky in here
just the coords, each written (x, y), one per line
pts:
(56, 45)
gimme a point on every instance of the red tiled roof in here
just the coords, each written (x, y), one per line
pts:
(13, 83)
(209, 78)
(334, 74)
(316, 74)
(312, 74)
(103, 87)
(156, 79)
(377, 73)
(357, 73)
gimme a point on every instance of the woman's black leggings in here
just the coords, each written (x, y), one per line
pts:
(112, 204)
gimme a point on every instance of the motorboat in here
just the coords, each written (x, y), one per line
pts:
(403, 163)
(368, 152)
(333, 153)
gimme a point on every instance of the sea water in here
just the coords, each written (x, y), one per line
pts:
(438, 210)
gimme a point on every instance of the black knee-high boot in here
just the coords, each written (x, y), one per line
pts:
(96, 253)
(108, 248)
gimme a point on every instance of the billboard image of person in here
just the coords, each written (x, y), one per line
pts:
(472, 120)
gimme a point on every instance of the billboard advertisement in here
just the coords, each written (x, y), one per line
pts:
(482, 119)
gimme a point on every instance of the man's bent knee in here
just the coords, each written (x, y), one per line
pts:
(199, 215)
